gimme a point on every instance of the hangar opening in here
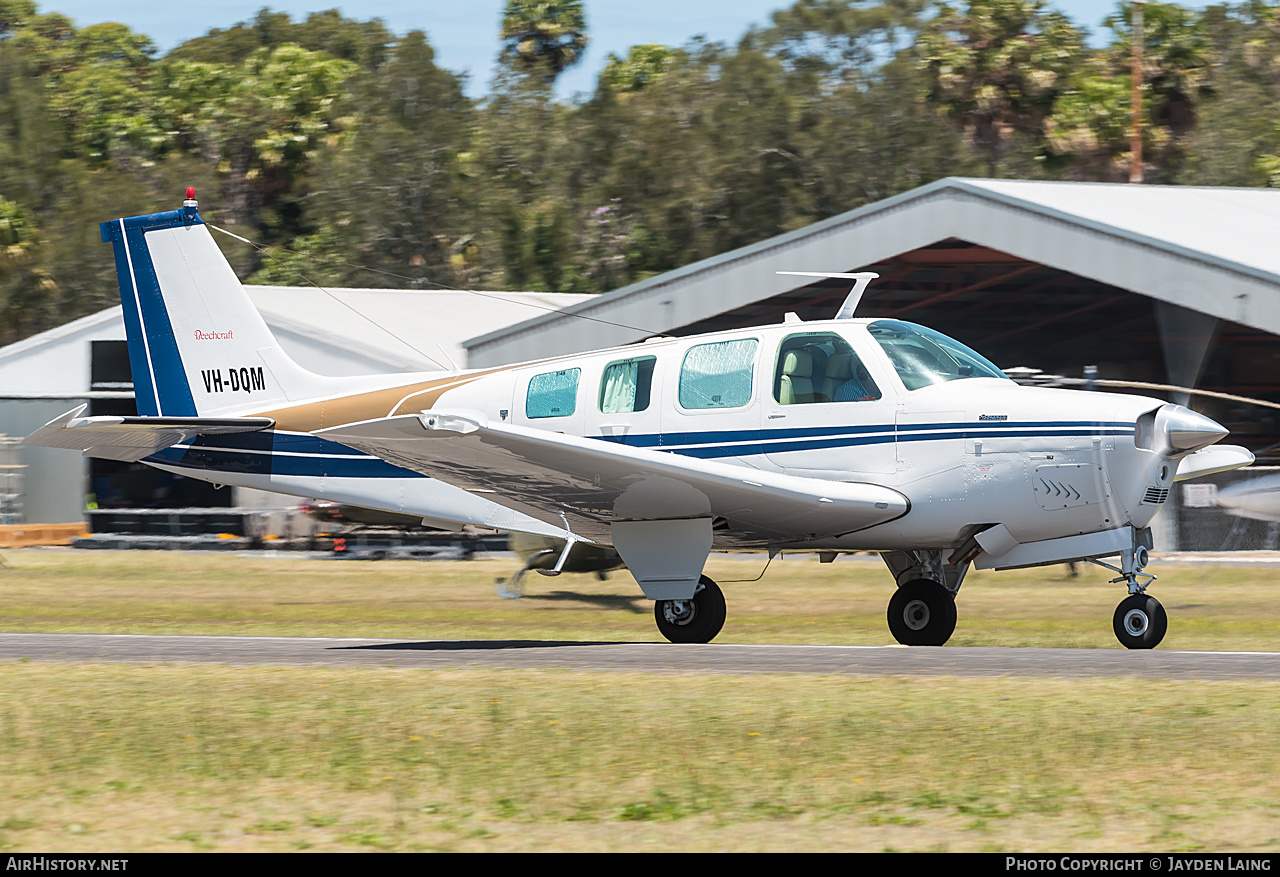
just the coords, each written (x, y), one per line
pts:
(1020, 313)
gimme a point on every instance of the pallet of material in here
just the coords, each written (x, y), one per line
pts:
(22, 535)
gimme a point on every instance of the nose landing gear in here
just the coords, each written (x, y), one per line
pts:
(1140, 621)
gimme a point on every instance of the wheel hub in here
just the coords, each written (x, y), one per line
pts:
(916, 615)
(1136, 622)
(678, 611)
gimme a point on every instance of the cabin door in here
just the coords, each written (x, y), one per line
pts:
(825, 414)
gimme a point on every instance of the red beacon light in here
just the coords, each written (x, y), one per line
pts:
(190, 208)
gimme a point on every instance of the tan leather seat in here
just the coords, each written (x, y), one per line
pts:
(795, 387)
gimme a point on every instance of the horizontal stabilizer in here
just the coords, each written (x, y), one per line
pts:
(129, 439)
(594, 483)
(1211, 460)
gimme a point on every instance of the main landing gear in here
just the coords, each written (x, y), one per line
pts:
(922, 612)
(692, 621)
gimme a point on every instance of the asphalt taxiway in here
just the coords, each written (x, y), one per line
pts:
(715, 658)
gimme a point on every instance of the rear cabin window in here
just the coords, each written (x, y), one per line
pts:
(554, 394)
(820, 367)
(718, 375)
(626, 385)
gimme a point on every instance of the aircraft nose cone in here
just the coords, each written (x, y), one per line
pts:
(1186, 431)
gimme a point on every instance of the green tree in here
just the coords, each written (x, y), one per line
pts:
(642, 65)
(839, 40)
(1235, 130)
(997, 67)
(260, 123)
(15, 14)
(27, 292)
(543, 37)
(362, 42)
(103, 96)
(396, 196)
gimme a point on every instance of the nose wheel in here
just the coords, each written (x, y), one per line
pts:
(692, 621)
(922, 613)
(1140, 622)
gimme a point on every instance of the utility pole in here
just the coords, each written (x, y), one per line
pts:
(1135, 100)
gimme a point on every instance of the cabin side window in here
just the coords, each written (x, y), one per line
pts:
(820, 367)
(626, 385)
(554, 394)
(718, 375)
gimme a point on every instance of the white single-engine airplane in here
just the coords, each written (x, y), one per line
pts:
(830, 436)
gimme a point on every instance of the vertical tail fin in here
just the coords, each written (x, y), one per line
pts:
(197, 345)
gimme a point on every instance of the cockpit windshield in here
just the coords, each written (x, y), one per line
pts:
(924, 357)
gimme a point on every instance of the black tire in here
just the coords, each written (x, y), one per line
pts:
(922, 613)
(692, 621)
(1140, 622)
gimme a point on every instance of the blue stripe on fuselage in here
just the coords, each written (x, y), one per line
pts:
(726, 443)
(282, 453)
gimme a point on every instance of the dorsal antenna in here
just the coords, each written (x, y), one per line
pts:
(860, 282)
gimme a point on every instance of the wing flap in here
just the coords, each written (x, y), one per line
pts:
(130, 439)
(590, 483)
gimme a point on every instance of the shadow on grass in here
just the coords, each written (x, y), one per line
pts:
(463, 645)
(636, 604)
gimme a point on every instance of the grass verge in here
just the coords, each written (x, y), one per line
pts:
(172, 758)
(797, 601)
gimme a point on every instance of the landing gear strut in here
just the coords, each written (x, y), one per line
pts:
(692, 621)
(1140, 621)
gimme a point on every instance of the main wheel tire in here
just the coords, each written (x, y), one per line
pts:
(692, 621)
(922, 613)
(1140, 622)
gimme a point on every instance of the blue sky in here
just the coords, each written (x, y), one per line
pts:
(464, 32)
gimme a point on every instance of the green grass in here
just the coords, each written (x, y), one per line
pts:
(161, 758)
(797, 601)
(217, 758)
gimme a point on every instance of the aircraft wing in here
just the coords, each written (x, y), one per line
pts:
(129, 439)
(587, 484)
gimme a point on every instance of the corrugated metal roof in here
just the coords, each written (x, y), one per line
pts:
(347, 331)
(399, 326)
(1234, 225)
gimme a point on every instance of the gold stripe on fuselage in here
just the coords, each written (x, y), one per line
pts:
(404, 399)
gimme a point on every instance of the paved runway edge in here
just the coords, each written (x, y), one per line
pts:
(716, 658)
